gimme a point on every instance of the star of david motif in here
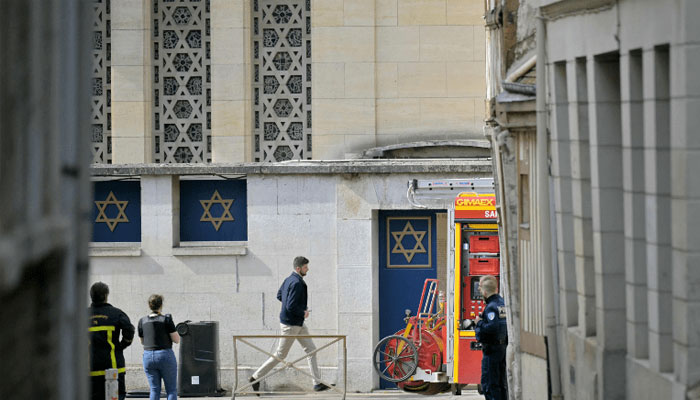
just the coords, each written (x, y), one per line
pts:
(417, 248)
(102, 206)
(225, 215)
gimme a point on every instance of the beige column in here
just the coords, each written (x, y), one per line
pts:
(131, 82)
(343, 78)
(231, 132)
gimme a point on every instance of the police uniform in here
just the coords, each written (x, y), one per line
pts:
(106, 324)
(492, 332)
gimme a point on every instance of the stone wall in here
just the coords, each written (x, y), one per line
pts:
(384, 72)
(620, 99)
(331, 218)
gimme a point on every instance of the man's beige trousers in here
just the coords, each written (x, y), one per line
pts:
(285, 344)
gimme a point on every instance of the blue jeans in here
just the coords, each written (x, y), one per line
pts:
(161, 364)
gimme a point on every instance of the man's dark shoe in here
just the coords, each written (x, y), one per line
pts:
(320, 387)
(256, 385)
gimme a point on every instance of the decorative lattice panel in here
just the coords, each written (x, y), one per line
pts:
(282, 79)
(101, 128)
(181, 81)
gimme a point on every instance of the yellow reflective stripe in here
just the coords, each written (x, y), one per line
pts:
(101, 373)
(101, 328)
(112, 355)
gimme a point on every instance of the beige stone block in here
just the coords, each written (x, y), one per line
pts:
(479, 43)
(228, 82)
(130, 14)
(359, 80)
(398, 44)
(465, 12)
(397, 115)
(326, 152)
(327, 13)
(386, 12)
(466, 79)
(131, 83)
(344, 116)
(446, 43)
(355, 144)
(358, 12)
(328, 80)
(228, 46)
(131, 118)
(228, 118)
(386, 139)
(422, 12)
(228, 149)
(227, 13)
(129, 47)
(447, 114)
(347, 44)
(387, 80)
(328, 146)
(130, 150)
(422, 80)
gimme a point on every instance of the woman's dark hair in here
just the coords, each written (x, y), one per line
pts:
(155, 302)
(99, 292)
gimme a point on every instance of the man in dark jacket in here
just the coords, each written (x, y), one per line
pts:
(294, 311)
(106, 325)
(492, 332)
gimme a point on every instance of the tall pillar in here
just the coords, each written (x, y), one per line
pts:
(231, 132)
(634, 207)
(607, 215)
(131, 82)
(581, 196)
(657, 179)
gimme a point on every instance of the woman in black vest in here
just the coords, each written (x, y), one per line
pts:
(157, 333)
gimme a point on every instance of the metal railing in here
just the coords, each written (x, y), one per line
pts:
(245, 389)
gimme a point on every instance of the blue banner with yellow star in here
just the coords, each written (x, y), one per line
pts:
(213, 210)
(116, 211)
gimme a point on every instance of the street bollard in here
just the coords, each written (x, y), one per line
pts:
(112, 384)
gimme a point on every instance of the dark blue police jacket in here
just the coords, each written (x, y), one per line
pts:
(293, 296)
(492, 327)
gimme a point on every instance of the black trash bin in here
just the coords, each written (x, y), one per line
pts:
(198, 367)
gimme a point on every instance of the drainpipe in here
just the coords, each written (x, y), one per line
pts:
(545, 211)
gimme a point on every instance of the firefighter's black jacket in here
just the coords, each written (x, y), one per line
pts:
(106, 326)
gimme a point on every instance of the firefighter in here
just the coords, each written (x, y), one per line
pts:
(106, 325)
(491, 331)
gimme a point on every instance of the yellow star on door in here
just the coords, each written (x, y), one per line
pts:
(102, 206)
(417, 248)
(225, 215)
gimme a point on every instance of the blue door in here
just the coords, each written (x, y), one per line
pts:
(407, 257)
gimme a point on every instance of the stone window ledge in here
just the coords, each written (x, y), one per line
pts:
(211, 249)
(115, 249)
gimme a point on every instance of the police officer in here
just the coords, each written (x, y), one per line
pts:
(106, 324)
(491, 331)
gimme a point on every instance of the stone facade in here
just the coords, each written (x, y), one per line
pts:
(617, 93)
(384, 72)
(316, 211)
(380, 73)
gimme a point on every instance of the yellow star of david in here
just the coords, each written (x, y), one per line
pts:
(225, 215)
(417, 235)
(102, 206)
